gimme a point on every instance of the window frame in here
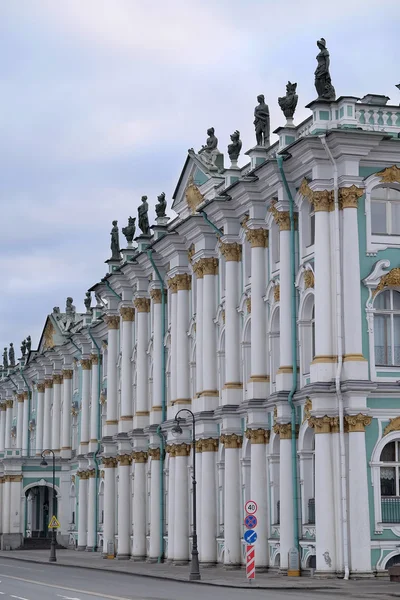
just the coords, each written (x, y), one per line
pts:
(376, 242)
(391, 313)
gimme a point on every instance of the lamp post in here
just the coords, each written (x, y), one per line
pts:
(177, 430)
(44, 464)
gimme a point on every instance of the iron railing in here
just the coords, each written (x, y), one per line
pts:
(390, 510)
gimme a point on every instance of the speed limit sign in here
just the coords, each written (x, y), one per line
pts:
(250, 507)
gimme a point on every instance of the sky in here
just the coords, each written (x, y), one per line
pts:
(100, 100)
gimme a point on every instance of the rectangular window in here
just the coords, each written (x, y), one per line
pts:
(395, 210)
(383, 340)
(378, 217)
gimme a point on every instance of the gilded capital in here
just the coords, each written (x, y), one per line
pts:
(25, 395)
(86, 364)
(112, 321)
(172, 284)
(323, 201)
(349, 196)
(68, 374)
(357, 423)
(95, 359)
(124, 460)
(182, 449)
(84, 475)
(183, 282)
(91, 473)
(139, 456)
(258, 436)
(20, 397)
(170, 449)
(309, 279)
(154, 453)
(231, 252)
(40, 387)
(3, 406)
(284, 430)
(127, 313)
(277, 293)
(209, 445)
(258, 238)
(57, 378)
(320, 424)
(231, 441)
(198, 269)
(281, 217)
(109, 462)
(142, 305)
(48, 383)
(156, 296)
(209, 266)
(10, 403)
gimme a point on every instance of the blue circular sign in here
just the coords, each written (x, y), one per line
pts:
(250, 536)
(250, 521)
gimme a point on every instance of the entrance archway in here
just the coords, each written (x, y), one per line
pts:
(39, 510)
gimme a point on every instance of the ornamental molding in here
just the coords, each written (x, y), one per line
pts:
(390, 174)
(232, 252)
(127, 313)
(277, 292)
(394, 425)
(248, 305)
(193, 195)
(191, 251)
(307, 409)
(142, 305)
(390, 280)
(373, 280)
(258, 436)
(309, 279)
(48, 334)
(112, 321)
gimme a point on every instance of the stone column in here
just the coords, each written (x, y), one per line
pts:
(15, 504)
(158, 351)
(355, 365)
(155, 531)
(66, 447)
(258, 478)
(25, 425)
(233, 512)
(208, 508)
(86, 365)
(209, 341)
(325, 525)
(286, 491)
(142, 412)
(125, 420)
(183, 283)
(198, 271)
(112, 374)
(48, 391)
(258, 239)
(171, 501)
(124, 506)
(94, 411)
(9, 418)
(232, 393)
(174, 341)
(6, 504)
(20, 419)
(56, 423)
(3, 407)
(109, 465)
(181, 513)
(92, 499)
(139, 506)
(359, 524)
(39, 418)
(83, 510)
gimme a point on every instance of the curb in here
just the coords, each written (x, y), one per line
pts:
(253, 586)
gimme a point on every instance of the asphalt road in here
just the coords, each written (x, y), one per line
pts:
(48, 582)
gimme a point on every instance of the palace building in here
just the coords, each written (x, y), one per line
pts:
(269, 307)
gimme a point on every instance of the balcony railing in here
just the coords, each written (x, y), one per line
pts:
(390, 510)
(311, 511)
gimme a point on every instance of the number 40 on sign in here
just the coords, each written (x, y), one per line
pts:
(250, 507)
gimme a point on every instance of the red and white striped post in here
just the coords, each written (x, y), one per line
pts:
(250, 562)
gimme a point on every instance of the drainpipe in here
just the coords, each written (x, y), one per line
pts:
(217, 231)
(29, 407)
(110, 288)
(294, 356)
(73, 343)
(163, 403)
(339, 332)
(95, 459)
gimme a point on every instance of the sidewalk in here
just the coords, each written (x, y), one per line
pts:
(212, 576)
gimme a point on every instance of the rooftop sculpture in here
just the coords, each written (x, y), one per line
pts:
(11, 355)
(5, 359)
(88, 301)
(129, 230)
(143, 217)
(210, 152)
(235, 147)
(323, 83)
(288, 103)
(115, 249)
(261, 122)
(161, 205)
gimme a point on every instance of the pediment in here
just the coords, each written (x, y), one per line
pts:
(51, 335)
(187, 193)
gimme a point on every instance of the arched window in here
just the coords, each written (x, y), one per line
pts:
(390, 482)
(385, 211)
(307, 333)
(275, 345)
(387, 328)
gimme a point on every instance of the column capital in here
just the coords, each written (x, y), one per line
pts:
(57, 378)
(209, 444)
(48, 383)
(154, 453)
(84, 475)
(281, 217)
(139, 456)
(322, 200)
(3, 406)
(20, 397)
(9, 403)
(127, 313)
(198, 269)
(109, 462)
(142, 305)
(170, 449)
(40, 387)
(112, 321)
(320, 424)
(231, 441)
(95, 358)
(156, 296)
(209, 266)
(258, 238)
(232, 252)
(86, 364)
(349, 196)
(172, 285)
(26, 395)
(357, 423)
(124, 460)
(92, 473)
(68, 374)
(258, 436)
(284, 430)
(182, 449)
(13, 478)
(183, 282)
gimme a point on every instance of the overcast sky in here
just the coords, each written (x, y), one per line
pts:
(100, 100)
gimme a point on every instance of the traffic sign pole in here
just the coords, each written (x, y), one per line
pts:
(250, 562)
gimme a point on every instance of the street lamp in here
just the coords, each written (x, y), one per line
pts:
(44, 464)
(176, 431)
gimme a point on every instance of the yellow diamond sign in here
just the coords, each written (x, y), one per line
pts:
(54, 524)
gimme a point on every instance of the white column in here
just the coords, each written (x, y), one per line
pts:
(86, 365)
(142, 412)
(208, 520)
(39, 418)
(337, 486)
(94, 411)
(155, 548)
(48, 390)
(233, 386)
(109, 465)
(139, 505)
(325, 525)
(233, 511)
(158, 350)
(209, 362)
(56, 421)
(174, 340)
(181, 513)
(16, 522)
(258, 483)
(6, 504)
(359, 524)
(66, 447)
(182, 355)
(284, 374)
(20, 420)
(286, 493)
(25, 424)
(112, 375)
(125, 421)
(258, 239)
(3, 408)
(198, 270)
(124, 506)
(171, 502)
(92, 499)
(8, 423)
(83, 510)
